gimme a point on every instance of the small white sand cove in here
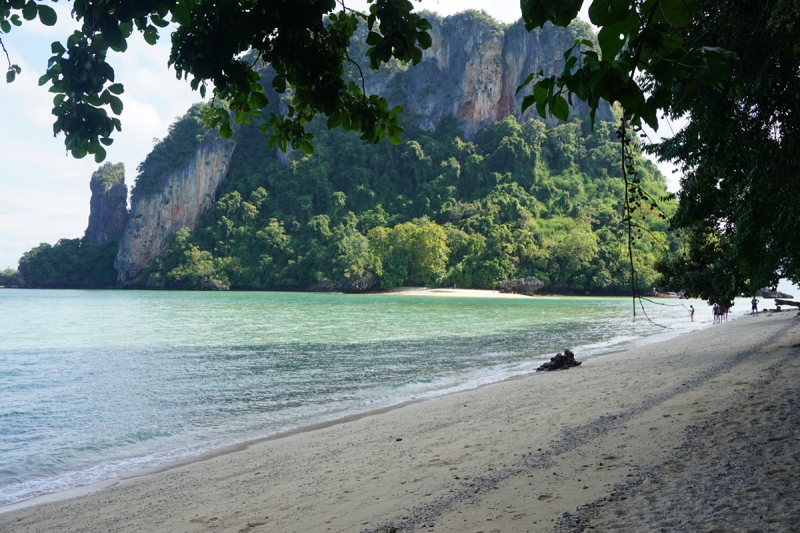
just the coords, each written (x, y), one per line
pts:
(452, 293)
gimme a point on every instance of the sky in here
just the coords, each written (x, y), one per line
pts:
(44, 193)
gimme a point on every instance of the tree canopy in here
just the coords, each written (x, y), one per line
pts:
(219, 45)
(740, 154)
(517, 200)
(733, 69)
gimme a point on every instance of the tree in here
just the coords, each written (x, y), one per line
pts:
(221, 45)
(732, 68)
(740, 153)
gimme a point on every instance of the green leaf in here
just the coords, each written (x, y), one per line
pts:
(524, 83)
(334, 121)
(5, 26)
(151, 35)
(611, 42)
(107, 141)
(307, 147)
(58, 99)
(180, 14)
(10, 76)
(631, 97)
(112, 33)
(424, 25)
(99, 154)
(608, 12)
(29, 11)
(47, 15)
(560, 12)
(57, 48)
(527, 102)
(158, 21)
(425, 40)
(225, 131)
(116, 105)
(116, 88)
(677, 13)
(560, 108)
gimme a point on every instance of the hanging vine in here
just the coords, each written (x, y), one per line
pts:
(635, 200)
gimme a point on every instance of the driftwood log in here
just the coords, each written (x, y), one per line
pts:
(786, 302)
(560, 362)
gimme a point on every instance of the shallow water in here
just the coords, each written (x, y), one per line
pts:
(94, 384)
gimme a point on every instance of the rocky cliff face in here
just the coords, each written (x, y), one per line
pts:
(185, 196)
(471, 72)
(109, 204)
(473, 69)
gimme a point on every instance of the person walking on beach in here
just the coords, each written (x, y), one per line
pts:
(691, 312)
(754, 311)
(716, 313)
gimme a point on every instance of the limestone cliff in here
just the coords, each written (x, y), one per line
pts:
(109, 204)
(471, 72)
(473, 69)
(184, 196)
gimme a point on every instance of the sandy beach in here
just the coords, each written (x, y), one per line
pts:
(700, 433)
(451, 293)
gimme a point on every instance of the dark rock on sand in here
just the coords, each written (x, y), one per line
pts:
(353, 284)
(527, 285)
(767, 293)
(560, 362)
(214, 286)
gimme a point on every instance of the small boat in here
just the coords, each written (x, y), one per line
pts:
(679, 295)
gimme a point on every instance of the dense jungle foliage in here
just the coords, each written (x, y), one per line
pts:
(70, 263)
(515, 201)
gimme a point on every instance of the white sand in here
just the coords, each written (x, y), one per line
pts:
(452, 293)
(701, 433)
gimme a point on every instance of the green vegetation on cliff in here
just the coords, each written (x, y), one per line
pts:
(171, 152)
(70, 263)
(517, 200)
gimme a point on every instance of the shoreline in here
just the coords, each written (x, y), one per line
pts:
(315, 425)
(363, 445)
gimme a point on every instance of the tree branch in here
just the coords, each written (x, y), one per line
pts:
(8, 58)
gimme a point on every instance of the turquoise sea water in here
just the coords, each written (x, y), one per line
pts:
(94, 384)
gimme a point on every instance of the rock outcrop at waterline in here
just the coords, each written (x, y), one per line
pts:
(527, 285)
(353, 284)
(108, 209)
(186, 194)
(769, 293)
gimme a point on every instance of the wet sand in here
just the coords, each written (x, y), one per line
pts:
(700, 433)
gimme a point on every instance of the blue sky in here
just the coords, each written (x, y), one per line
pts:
(44, 194)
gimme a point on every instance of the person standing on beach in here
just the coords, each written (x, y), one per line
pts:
(754, 311)
(691, 312)
(715, 310)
